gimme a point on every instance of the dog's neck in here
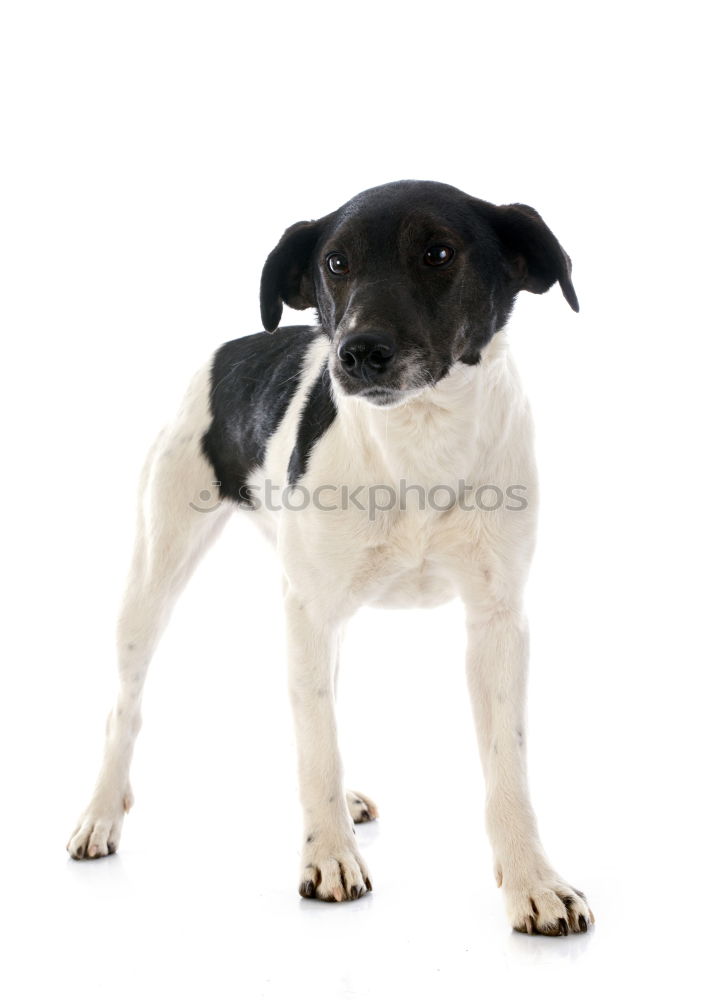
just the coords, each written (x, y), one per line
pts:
(446, 430)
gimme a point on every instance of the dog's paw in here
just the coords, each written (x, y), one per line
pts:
(362, 808)
(333, 874)
(98, 830)
(547, 906)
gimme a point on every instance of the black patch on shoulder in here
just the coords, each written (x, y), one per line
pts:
(253, 381)
(316, 417)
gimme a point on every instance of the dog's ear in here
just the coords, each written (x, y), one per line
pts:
(535, 258)
(287, 273)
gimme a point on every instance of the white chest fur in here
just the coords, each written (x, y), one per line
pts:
(397, 502)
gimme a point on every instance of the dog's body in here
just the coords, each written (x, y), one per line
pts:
(363, 446)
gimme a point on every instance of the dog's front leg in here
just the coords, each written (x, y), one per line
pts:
(332, 868)
(537, 899)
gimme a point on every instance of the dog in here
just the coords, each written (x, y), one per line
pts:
(404, 387)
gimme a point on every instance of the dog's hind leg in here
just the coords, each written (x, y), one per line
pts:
(179, 516)
(362, 809)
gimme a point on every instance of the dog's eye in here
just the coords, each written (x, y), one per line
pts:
(438, 255)
(337, 263)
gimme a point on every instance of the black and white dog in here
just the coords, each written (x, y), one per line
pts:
(364, 446)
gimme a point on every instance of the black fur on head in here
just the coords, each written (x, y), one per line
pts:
(415, 275)
(287, 276)
(538, 260)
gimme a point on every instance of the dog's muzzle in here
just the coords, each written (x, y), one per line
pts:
(367, 356)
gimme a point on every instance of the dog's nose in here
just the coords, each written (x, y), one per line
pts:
(366, 355)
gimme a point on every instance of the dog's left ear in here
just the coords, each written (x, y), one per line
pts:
(535, 258)
(287, 273)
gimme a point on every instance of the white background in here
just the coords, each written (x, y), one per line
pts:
(152, 155)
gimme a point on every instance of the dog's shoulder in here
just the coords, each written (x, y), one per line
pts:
(253, 381)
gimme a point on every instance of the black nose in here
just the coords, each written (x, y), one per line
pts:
(366, 355)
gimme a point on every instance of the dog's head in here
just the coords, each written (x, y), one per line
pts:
(408, 279)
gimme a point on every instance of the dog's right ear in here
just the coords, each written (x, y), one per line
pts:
(287, 273)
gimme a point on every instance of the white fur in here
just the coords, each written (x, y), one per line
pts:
(473, 427)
